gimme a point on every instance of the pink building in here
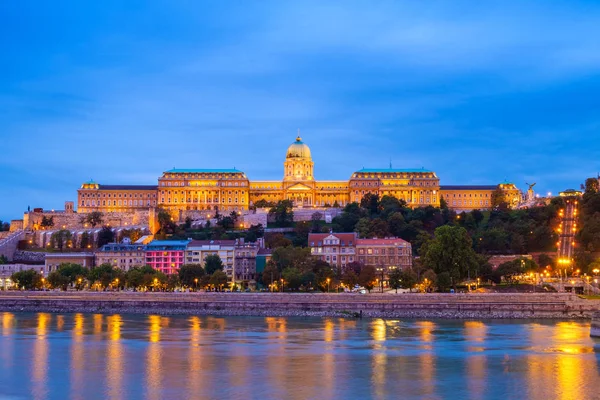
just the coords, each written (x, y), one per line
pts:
(166, 256)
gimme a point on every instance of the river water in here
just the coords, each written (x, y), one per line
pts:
(89, 356)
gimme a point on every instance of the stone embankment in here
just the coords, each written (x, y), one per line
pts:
(555, 306)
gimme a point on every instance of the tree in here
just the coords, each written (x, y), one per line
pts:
(429, 279)
(218, 279)
(367, 277)
(262, 203)
(3, 259)
(370, 202)
(275, 240)
(104, 275)
(270, 274)
(444, 281)
(165, 221)
(451, 251)
(213, 263)
(226, 223)
(315, 222)
(292, 278)
(591, 186)
(296, 257)
(498, 200)
(133, 234)
(191, 274)
(47, 222)
(94, 218)
(395, 279)
(282, 213)
(28, 279)
(85, 240)
(409, 279)
(350, 278)
(67, 274)
(105, 236)
(302, 229)
(61, 239)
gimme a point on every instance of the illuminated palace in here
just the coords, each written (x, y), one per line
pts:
(231, 190)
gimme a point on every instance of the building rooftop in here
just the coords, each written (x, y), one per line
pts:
(121, 247)
(394, 170)
(344, 237)
(127, 187)
(167, 244)
(468, 187)
(205, 171)
(198, 243)
(385, 241)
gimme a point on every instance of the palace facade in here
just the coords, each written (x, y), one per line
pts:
(231, 190)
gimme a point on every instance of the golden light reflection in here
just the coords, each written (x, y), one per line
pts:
(114, 363)
(475, 333)
(195, 376)
(98, 321)
(40, 358)
(60, 323)
(427, 359)
(153, 359)
(276, 361)
(378, 330)
(77, 357)
(7, 348)
(328, 359)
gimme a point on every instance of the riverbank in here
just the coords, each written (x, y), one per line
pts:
(455, 306)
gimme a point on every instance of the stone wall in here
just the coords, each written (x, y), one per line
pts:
(64, 220)
(554, 306)
(29, 257)
(16, 225)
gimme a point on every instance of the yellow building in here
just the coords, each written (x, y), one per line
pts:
(231, 190)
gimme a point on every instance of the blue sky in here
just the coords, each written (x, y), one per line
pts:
(120, 91)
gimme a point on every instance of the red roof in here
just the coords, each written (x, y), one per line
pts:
(345, 237)
(381, 242)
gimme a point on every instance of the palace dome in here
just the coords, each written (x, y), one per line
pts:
(298, 149)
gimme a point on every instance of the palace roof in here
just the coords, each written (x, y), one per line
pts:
(468, 187)
(127, 187)
(206, 171)
(393, 170)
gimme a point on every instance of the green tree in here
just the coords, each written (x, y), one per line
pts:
(350, 278)
(213, 263)
(218, 279)
(282, 213)
(292, 277)
(28, 279)
(275, 240)
(68, 274)
(191, 274)
(61, 239)
(105, 275)
(395, 279)
(94, 218)
(85, 240)
(166, 223)
(498, 200)
(296, 257)
(3, 259)
(302, 229)
(367, 277)
(56, 280)
(444, 281)
(409, 279)
(451, 251)
(105, 236)
(270, 273)
(370, 202)
(47, 222)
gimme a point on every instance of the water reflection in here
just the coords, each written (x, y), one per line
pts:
(153, 359)
(77, 357)
(83, 355)
(114, 358)
(39, 371)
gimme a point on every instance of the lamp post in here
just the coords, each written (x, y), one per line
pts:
(196, 283)
(155, 283)
(380, 269)
(328, 280)
(117, 282)
(44, 284)
(282, 282)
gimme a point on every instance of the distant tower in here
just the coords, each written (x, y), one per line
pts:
(69, 207)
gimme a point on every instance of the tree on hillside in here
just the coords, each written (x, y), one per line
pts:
(282, 213)
(296, 257)
(213, 263)
(3, 259)
(370, 202)
(498, 200)
(84, 241)
(451, 251)
(61, 239)
(275, 240)
(47, 222)
(94, 218)
(105, 236)
(105, 275)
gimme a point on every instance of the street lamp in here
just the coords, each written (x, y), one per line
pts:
(44, 284)
(380, 269)
(328, 280)
(196, 283)
(155, 283)
(117, 282)
(282, 282)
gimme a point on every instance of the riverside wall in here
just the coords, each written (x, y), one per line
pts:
(501, 306)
